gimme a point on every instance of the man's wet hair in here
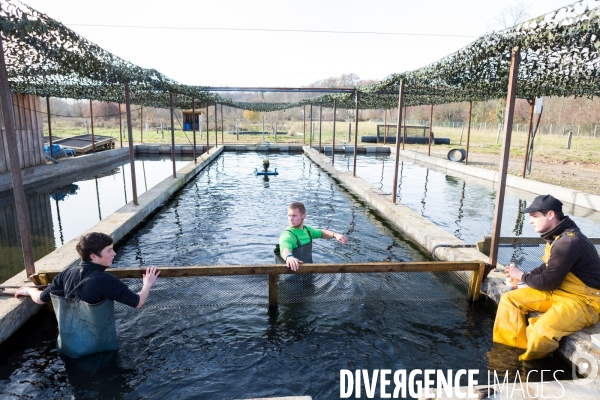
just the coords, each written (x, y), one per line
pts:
(559, 214)
(92, 243)
(296, 205)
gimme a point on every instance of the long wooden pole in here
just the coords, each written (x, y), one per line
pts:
(356, 100)
(194, 126)
(508, 121)
(398, 129)
(430, 129)
(15, 166)
(172, 134)
(49, 127)
(529, 132)
(130, 138)
(333, 145)
(92, 121)
(384, 126)
(469, 132)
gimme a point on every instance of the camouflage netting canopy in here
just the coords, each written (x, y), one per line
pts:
(559, 53)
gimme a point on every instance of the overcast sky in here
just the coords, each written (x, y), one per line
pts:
(259, 56)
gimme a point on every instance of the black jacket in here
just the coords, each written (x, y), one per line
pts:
(569, 254)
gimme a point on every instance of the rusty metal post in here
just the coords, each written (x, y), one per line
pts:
(222, 130)
(508, 120)
(216, 124)
(92, 121)
(120, 126)
(194, 126)
(15, 166)
(529, 132)
(207, 131)
(172, 133)
(311, 128)
(356, 100)
(304, 130)
(430, 129)
(404, 136)
(469, 132)
(398, 128)
(320, 124)
(49, 127)
(384, 126)
(333, 145)
(130, 138)
(141, 125)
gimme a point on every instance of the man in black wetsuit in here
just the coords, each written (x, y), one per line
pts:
(295, 243)
(566, 287)
(83, 296)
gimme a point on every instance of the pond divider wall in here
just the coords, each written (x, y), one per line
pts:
(14, 312)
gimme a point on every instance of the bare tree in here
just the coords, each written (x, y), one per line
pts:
(511, 15)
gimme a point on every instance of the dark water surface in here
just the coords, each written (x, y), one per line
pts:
(61, 210)
(213, 338)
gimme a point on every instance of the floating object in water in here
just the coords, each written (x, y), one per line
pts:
(266, 164)
(257, 172)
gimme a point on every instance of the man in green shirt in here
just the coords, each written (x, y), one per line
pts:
(295, 243)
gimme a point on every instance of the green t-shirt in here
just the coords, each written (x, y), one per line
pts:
(288, 241)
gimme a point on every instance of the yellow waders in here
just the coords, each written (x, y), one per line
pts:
(568, 309)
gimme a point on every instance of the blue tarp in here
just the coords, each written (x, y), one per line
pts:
(58, 151)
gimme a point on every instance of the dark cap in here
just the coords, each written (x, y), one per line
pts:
(544, 202)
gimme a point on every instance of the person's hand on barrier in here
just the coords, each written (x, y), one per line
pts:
(293, 263)
(149, 278)
(29, 291)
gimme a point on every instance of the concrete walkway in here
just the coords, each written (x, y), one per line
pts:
(15, 312)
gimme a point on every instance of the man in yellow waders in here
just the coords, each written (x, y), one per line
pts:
(566, 287)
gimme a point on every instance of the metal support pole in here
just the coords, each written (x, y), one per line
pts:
(398, 125)
(194, 125)
(333, 145)
(529, 132)
(141, 124)
(311, 128)
(92, 121)
(384, 126)
(356, 100)
(237, 131)
(304, 130)
(49, 127)
(130, 138)
(216, 125)
(120, 126)
(510, 108)
(404, 136)
(430, 129)
(172, 133)
(207, 131)
(469, 132)
(15, 166)
(222, 130)
(320, 124)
